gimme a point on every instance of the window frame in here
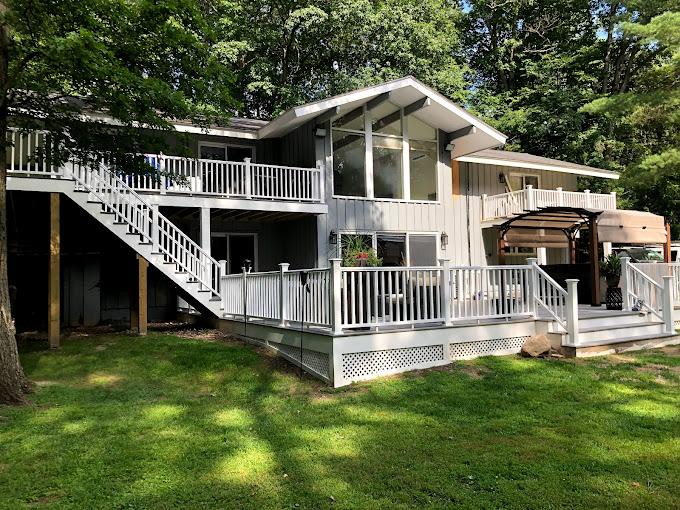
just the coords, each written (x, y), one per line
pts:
(374, 240)
(368, 134)
(523, 175)
(226, 146)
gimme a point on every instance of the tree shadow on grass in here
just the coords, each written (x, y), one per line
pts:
(168, 423)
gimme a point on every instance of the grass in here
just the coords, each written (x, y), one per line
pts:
(170, 422)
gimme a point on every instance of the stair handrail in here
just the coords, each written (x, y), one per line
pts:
(643, 292)
(174, 244)
(550, 295)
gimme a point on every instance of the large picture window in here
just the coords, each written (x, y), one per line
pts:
(380, 153)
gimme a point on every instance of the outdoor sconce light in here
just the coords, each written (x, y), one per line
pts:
(449, 147)
(445, 240)
(501, 178)
(320, 132)
(333, 237)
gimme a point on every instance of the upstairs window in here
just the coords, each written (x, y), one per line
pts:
(380, 153)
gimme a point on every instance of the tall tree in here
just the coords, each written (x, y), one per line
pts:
(287, 52)
(139, 62)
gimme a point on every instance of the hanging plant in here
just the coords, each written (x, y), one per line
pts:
(356, 252)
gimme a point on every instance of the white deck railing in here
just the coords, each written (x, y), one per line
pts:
(657, 270)
(532, 199)
(346, 299)
(640, 291)
(28, 154)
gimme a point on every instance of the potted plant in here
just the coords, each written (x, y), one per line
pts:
(356, 252)
(610, 268)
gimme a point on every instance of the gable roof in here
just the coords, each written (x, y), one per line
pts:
(441, 113)
(523, 160)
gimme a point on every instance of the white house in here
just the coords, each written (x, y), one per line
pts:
(468, 234)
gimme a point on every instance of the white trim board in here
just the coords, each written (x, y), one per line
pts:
(605, 174)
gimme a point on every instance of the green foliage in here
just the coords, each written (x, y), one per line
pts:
(310, 49)
(142, 62)
(164, 422)
(611, 266)
(356, 248)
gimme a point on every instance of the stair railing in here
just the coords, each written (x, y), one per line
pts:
(639, 292)
(561, 305)
(143, 219)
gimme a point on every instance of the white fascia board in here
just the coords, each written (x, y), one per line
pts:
(534, 166)
(457, 110)
(179, 200)
(246, 135)
(180, 128)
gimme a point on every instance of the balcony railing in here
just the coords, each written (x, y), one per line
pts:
(229, 179)
(532, 199)
(28, 155)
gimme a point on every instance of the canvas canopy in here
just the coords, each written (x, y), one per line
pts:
(551, 227)
(631, 227)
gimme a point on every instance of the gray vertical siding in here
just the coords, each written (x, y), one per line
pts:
(479, 179)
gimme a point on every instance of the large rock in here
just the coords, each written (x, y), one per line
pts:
(536, 346)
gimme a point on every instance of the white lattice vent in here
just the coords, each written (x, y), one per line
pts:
(317, 361)
(487, 347)
(360, 364)
(677, 324)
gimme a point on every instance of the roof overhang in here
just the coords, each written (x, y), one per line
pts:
(439, 112)
(529, 161)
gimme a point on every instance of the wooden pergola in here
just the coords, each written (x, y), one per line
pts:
(544, 228)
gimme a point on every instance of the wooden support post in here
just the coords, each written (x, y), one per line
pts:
(53, 319)
(142, 295)
(501, 248)
(572, 248)
(667, 245)
(594, 263)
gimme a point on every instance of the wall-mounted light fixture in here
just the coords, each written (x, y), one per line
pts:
(449, 147)
(333, 237)
(320, 132)
(501, 178)
(444, 240)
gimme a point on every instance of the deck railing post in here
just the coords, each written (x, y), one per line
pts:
(336, 282)
(533, 286)
(625, 284)
(589, 199)
(222, 286)
(445, 290)
(572, 311)
(321, 176)
(283, 293)
(560, 196)
(485, 212)
(155, 247)
(613, 199)
(529, 204)
(248, 178)
(164, 179)
(668, 307)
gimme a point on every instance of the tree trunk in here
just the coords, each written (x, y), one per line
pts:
(13, 383)
(604, 87)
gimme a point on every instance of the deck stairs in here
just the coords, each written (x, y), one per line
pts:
(604, 331)
(141, 226)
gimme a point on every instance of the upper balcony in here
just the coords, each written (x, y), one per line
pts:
(189, 182)
(496, 207)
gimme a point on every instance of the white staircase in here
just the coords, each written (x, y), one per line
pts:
(614, 327)
(141, 226)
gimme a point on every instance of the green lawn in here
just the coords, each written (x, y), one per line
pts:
(170, 422)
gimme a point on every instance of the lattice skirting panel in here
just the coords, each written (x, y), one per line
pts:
(493, 347)
(360, 365)
(677, 324)
(317, 363)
